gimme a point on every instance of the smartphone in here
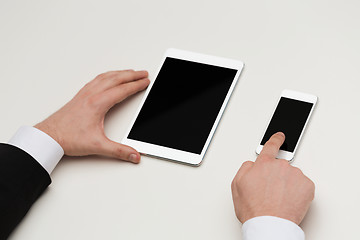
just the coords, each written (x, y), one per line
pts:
(291, 116)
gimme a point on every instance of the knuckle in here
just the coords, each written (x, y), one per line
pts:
(297, 171)
(247, 164)
(110, 74)
(233, 185)
(270, 144)
(311, 184)
(101, 75)
(85, 91)
(104, 75)
(311, 188)
(87, 84)
(235, 182)
(266, 158)
(284, 167)
(96, 144)
(129, 72)
(92, 101)
(118, 152)
(283, 163)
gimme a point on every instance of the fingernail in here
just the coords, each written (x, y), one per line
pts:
(281, 133)
(132, 157)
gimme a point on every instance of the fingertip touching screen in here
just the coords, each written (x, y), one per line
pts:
(182, 105)
(290, 117)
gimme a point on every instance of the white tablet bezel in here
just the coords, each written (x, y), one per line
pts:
(297, 96)
(174, 154)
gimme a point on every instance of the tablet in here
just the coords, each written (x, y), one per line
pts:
(182, 107)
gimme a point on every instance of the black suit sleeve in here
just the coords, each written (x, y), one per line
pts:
(22, 180)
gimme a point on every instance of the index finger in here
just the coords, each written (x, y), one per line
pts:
(112, 79)
(120, 92)
(272, 146)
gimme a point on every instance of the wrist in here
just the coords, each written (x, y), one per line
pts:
(294, 216)
(50, 130)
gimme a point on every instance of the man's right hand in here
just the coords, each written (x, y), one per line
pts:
(271, 187)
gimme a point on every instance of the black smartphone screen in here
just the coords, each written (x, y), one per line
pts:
(182, 105)
(289, 117)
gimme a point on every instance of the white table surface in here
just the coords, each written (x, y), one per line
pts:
(50, 49)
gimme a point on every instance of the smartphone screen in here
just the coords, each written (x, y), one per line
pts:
(290, 118)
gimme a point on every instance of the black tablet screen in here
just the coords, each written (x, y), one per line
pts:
(182, 105)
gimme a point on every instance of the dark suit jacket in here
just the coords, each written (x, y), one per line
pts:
(22, 180)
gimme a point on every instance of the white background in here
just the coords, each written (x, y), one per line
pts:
(49, 49)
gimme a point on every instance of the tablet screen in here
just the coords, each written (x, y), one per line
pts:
(182, 105)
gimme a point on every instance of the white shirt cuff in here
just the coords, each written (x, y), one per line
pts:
(271, 228)
(39, 145)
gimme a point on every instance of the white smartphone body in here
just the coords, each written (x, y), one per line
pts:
(291, 116)
(182, 106)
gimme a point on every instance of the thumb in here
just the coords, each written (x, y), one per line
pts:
(116, 150)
